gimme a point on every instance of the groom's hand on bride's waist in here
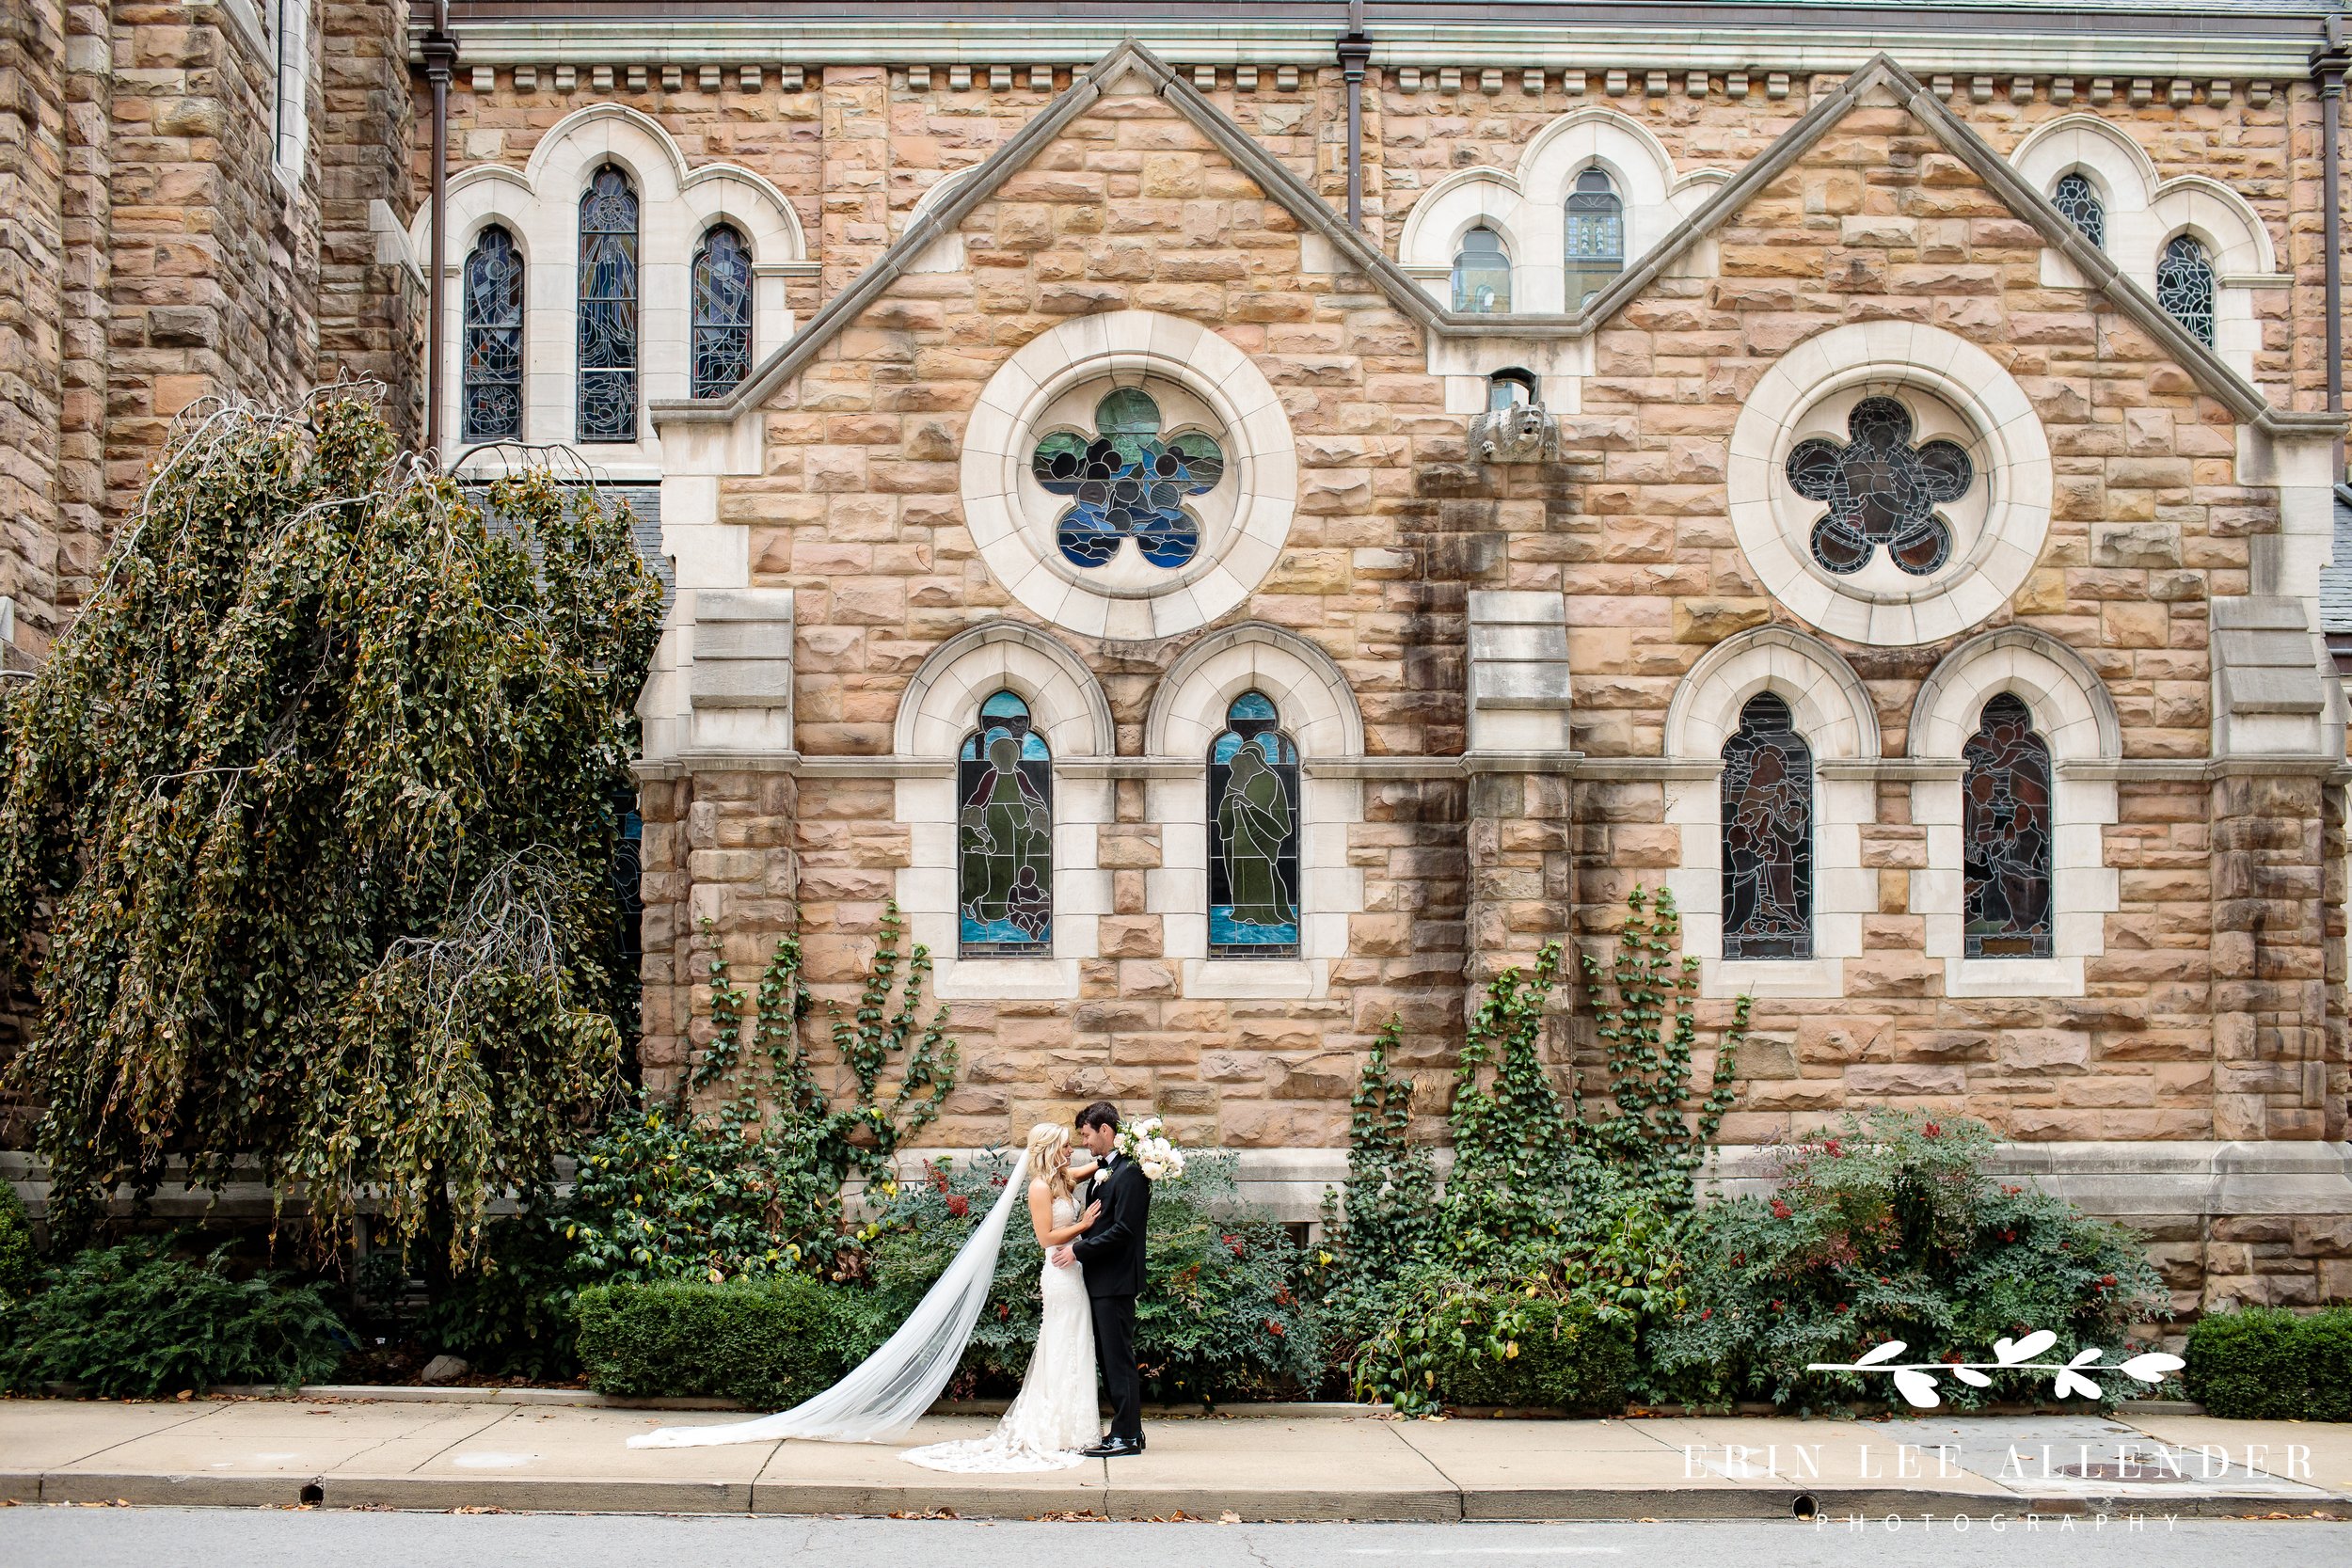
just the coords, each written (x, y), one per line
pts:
(1062, 1256)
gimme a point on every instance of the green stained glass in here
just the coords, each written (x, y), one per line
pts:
(1004, 835)
(1253, 835)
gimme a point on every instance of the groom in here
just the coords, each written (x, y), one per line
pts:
(1112, 1251)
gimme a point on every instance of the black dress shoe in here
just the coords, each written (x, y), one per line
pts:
(1114, 1448)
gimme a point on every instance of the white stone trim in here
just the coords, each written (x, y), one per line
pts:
(1526, 207)
(2144, 216)
(1318, 711)
(944, 254)
(939, 708)
(1015, 535)
(2075, 714)
(2007, 444)
(540, 206)
(1831, 710)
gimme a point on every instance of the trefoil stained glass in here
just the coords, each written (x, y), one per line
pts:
(2006, 830)
(1253, 835)
(1004, 835)
(1768, 835)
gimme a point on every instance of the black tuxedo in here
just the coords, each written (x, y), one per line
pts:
(1112, 1251)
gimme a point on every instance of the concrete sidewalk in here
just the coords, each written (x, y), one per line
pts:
(448, 1455)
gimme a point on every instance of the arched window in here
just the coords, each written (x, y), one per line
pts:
(2006, 834)
(1596, 247)
(1253, 835)
(2185, 286)
(491, 378)
(1004, 835)
(1511, 388)
(2077, 199)
(723, 313)
(608, 309)
(1482, 274)
(1768, 835)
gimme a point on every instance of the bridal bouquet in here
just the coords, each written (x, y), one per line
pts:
(1144, 1142)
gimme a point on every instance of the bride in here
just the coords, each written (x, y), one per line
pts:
(1056, 1413)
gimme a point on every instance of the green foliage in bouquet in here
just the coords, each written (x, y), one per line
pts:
(1220, 1316)
(314, 804)
(768, 1342)
(739, 1172)
(1892, 1230)
(2265, 1363)
(133, 1322)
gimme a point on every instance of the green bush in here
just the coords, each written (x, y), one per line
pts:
(1221, 1314)
(132, 1323)
(2268, 1365)
(769, 1343)
(19, 1264)
(511, 1314)
(1528, 1349)
(1892, 1230)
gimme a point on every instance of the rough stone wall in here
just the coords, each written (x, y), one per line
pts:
(371, 314)
(32, 264)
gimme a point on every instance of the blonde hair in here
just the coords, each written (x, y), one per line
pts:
(1048, 1140)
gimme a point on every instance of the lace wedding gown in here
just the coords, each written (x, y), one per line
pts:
(1055, 1412)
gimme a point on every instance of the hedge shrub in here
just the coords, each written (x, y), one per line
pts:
(1532, 1353)
(2268, 1365)
(132, 1322)
(19, 1264)
(768, 1343)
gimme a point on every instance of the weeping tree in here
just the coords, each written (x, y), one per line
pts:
(308, 828)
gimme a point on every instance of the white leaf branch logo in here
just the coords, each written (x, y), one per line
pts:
(1915, 1380)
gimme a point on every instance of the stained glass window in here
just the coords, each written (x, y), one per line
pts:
(1482, 272)
(1881, 490)
(723, 313)
(1128, 481)
(1253, 835)
(2075, 198)
(1004, 835)
(608, 309)
(490, 380)
(2185, 286)
(1768, 835)
(1596, 247)
(2006, 828)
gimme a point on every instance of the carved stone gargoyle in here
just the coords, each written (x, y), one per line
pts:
(1521, 434)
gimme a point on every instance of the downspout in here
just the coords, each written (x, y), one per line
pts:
(440, 63)
(1355, 52)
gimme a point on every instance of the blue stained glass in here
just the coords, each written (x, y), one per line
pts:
(1254, 833)
(1128, 482)
(1004, 835)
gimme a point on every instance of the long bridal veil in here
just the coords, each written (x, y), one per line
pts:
(883, 1395)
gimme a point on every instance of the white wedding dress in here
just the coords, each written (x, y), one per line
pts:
(884, 1395)
(1056, 1413)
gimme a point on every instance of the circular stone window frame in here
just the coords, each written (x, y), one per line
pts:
(1017, 539)
(1773, 524)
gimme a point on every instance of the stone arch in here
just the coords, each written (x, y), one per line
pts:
(935, 711)
(2071, 705)
(1318, 706)
(1833, 709)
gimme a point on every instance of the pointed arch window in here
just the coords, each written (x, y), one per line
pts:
(2007, 835)
(490, 379)
(1768, 835)
(608, 307)
(723, 313)
(1253, 835)
(1596, 236)
(2077, 200)
(2185, 283)
(1004, 835)
(1482, 274)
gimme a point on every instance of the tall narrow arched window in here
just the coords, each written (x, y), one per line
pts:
(2077, 199)
(2006, 835)
(1004, 835)
(1596, 236)
(1253, 835)
(723, 313)
(490, 376)
(608, 309)
(1768, 835)
(2185, 286)
(1482, 274)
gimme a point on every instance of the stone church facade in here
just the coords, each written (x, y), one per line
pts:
(1875, 495)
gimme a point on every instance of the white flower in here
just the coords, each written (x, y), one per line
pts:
(1154, 1169)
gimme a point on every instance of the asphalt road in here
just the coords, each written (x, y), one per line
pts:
(68, 1537)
